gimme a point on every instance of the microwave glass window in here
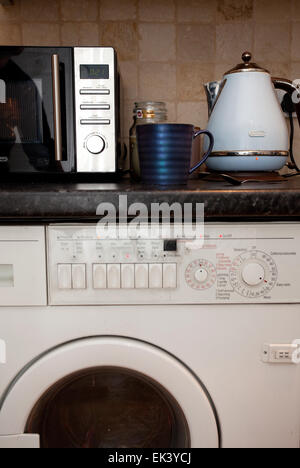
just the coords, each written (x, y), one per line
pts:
(94, 72)
(27, 134)
(23, 98)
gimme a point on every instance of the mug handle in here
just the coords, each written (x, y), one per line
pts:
(211, 145)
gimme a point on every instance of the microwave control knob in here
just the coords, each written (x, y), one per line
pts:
(95, 144)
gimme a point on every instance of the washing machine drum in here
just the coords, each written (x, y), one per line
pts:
(108, 393)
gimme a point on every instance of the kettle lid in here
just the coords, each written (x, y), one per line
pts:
(247, 65)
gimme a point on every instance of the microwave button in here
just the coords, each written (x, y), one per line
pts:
(95, 91)
(95, 107)
(95, 122)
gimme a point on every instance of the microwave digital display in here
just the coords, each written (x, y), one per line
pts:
(94, 72)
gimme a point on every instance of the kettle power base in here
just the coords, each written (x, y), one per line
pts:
(246, 163)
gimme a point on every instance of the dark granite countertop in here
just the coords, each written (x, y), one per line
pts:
(58, 201)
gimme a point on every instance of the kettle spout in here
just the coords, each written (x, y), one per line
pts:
(212, 90)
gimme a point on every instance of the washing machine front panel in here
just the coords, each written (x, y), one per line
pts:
(228, 264)
(214, 336)
(181, 394)
(22, 441)
(23, 266)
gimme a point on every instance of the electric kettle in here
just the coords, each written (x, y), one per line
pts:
(246, 119)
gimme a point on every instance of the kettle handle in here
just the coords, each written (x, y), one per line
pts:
(292, 89)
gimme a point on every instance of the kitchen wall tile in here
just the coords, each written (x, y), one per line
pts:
(157, 81)
(39, 34)
(272, 10)
(222, 68)
(80, 34)
(295, 54)
(190, 80)
(232, 40)
(115, 10)
(194, 113)
(295, 13)
(122, 36)
(234, 10)
(196, 11)
(40, 10)
(10, 34)
(157, 42)
(172, 111)
(272, 43)
(279, 70)
(157, 10)
(129, 76)
(196, 43)
(295, 71)
(12, 13)
(79, 10)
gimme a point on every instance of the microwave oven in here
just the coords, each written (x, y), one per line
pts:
(59, 110)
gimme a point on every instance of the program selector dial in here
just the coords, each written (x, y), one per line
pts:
(200, 275)
(95, 144)
(253, 274)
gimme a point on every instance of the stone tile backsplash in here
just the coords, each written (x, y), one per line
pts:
(166, 48)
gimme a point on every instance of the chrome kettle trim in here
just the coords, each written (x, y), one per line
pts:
(249, 153)
(213, 92)
(252, 70)
(247, 65)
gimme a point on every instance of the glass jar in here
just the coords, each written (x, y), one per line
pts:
(143, 113)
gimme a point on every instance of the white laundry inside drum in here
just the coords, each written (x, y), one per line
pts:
(6, 276)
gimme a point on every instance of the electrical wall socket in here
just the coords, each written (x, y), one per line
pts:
(281, 353)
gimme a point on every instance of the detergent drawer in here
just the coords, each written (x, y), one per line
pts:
(22, 266)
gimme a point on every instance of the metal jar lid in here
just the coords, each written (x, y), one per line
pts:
(247, 65)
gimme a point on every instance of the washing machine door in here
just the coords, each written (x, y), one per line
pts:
(107, 392)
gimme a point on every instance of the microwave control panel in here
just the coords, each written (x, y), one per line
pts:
(232, 264)
(96, 77)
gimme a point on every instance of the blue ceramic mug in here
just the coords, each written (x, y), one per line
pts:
(165, 152)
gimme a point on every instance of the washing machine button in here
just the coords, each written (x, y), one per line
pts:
(142, 276)
(170, 276)
(99, 276)
(114, 276)
(79, 276)
(156, 276)
(64, 276)
(127, 277)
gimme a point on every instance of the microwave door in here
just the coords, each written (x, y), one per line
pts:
(36, 118)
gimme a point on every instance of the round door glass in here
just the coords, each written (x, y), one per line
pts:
(108, 408)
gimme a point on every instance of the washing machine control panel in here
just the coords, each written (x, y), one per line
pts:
(230, 263)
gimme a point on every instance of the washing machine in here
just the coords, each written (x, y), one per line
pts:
(150, 343)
